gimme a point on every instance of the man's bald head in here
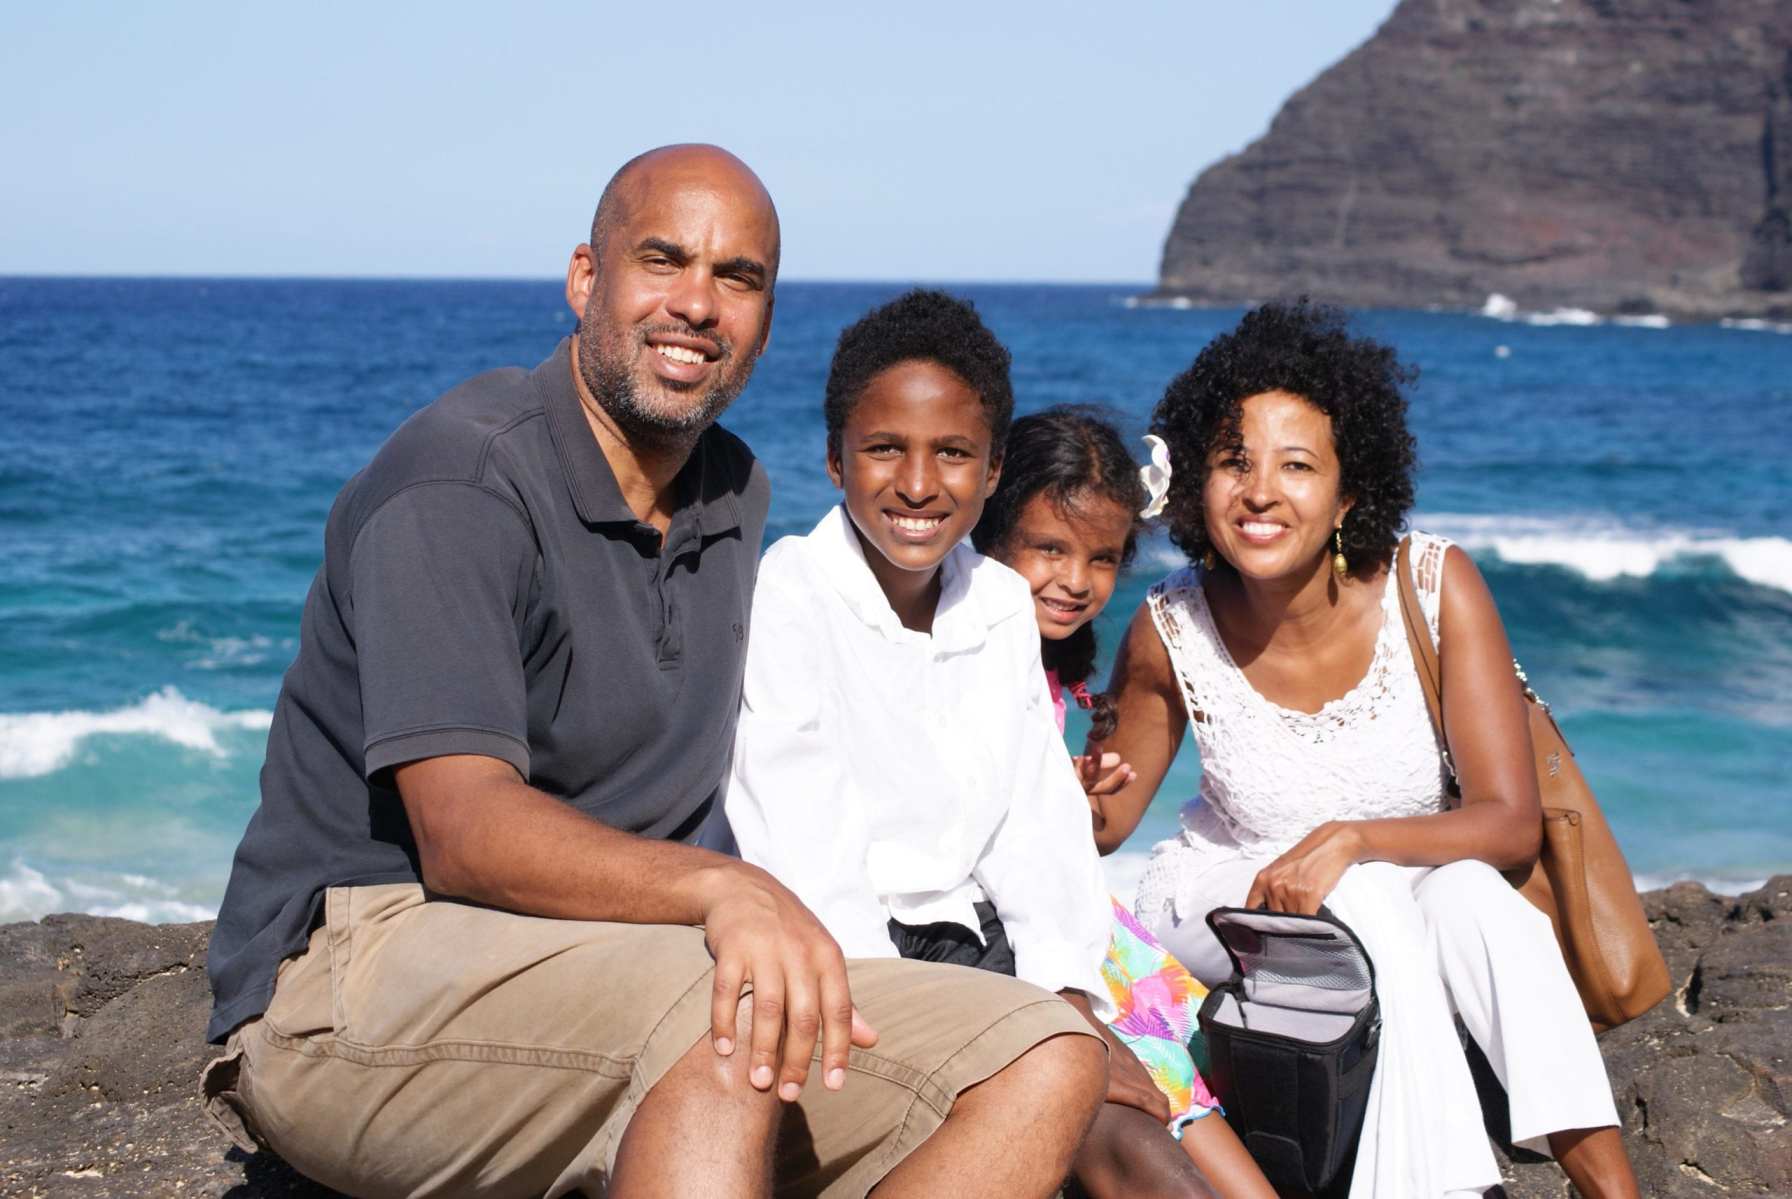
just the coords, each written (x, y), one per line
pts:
(691, 164)
(674, 292)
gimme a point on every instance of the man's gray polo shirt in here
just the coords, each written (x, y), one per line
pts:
(485, 590)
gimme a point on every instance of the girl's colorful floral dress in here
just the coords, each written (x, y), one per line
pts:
(1156, 999)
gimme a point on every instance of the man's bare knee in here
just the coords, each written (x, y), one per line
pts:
(709, 1077)
(1073, 1065)
(704, 1099)
(1069, 1071)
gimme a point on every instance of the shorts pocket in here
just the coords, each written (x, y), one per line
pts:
(301, 1005)
(220, 1091)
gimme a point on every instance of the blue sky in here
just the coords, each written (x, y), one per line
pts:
(913, 140)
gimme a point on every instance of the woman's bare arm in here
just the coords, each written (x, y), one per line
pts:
(1500, 819)
(1151, 721)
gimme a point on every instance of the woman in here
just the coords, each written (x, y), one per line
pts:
(1283, 649)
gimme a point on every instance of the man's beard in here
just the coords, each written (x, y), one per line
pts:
(659, 421)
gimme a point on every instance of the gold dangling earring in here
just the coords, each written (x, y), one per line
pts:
(1340, 564)
(1207, 559)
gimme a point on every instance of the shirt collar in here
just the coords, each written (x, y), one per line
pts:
(706, 493)
(960, 622)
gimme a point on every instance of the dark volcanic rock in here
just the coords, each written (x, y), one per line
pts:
(1621, 155)
(102, 1037)
(1704, 1082)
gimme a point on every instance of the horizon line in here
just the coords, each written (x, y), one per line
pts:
(245, 277)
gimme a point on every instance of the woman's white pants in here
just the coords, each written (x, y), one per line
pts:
(1446, 938)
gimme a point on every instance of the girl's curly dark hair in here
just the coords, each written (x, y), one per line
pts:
(1063, 453)
(1305, 349)
(920, 325)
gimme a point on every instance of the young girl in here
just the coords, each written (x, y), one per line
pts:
(897, 764)
(1065, 516)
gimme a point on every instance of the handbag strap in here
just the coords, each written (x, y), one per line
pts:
(1424, 649)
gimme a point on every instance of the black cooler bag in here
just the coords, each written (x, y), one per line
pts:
(1292, 1039)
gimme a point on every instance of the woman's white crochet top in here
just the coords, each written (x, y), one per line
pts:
(1269, 774)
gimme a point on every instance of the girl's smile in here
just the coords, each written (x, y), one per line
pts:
(1069, 552)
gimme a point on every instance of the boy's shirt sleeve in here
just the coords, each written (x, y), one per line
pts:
(1040, 868)
(791, 802)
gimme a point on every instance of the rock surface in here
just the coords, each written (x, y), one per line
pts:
(102, 1038)
(1618, 155)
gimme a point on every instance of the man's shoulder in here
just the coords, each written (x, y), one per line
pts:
(731, 464)
(452, 438)
(462, 437)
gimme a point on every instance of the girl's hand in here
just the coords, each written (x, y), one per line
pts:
(1129, 1082)
(1102, 775)
(1300, 879)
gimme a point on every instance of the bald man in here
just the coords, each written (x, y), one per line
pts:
(474, 942)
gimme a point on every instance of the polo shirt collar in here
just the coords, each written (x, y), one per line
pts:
(705, 492)
(960, 623)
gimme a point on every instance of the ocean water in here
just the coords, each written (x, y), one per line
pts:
(171, 448)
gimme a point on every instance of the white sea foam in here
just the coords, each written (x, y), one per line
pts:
(1593, 547)
(1180, 303)
(1504, 308)
(1602, 550)
(224, 653)
(1563, 316)
(28, 894)
(1721, 884)
(1755, 324)
(39, 743)
(1500, 308)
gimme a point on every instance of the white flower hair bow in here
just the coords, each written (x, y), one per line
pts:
(1155, 475)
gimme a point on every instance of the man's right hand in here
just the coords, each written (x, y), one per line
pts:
(484, 834)
(763, 938)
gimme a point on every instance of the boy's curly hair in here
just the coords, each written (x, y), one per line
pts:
(927, 326)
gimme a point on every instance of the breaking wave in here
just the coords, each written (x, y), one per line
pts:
(39, 743)
(1596, 549)
(29, 894)
(1602, 550)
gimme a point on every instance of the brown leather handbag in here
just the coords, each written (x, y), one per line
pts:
(1580, 879)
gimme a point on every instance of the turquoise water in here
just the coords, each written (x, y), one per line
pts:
(171, 449)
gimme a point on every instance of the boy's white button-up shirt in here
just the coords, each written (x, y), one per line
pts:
(883, 773)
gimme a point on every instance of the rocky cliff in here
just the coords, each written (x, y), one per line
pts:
(1620, 155)
(102, 1036)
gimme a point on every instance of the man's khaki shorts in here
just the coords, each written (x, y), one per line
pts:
(426, 1047)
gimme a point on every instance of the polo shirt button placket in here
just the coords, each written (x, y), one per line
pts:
(670, 641)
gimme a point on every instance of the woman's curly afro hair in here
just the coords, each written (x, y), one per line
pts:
(1305, 349)
(927, 326)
